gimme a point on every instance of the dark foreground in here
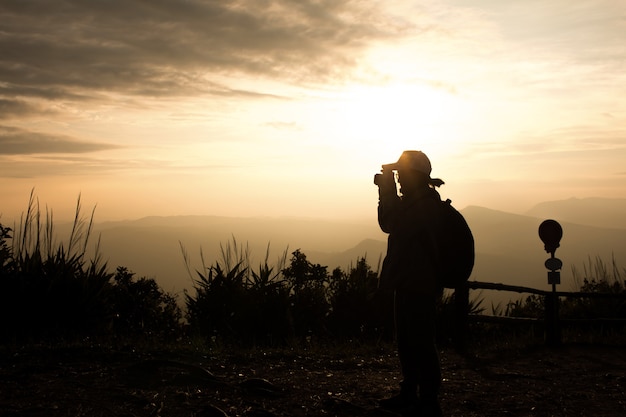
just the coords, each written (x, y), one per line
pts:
(574, 380)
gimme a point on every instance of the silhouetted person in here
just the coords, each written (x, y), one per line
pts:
(409, 269)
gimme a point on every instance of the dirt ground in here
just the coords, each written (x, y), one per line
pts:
(574, 380)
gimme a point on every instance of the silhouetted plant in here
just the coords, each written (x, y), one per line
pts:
(597, 277)
(8, 285)
(216, 306)
(142, 308)
(53, 290)
(447, 315)
(358, 309)
(6, 254)
(308, 294)
(237, 304)
(269, 305)
(533, 306)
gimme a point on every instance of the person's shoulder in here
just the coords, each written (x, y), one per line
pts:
(430, 205)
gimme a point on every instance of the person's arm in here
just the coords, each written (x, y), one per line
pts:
(388, 202)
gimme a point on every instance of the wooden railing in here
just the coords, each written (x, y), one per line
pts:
(552, 321)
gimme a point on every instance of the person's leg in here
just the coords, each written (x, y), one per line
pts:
(427, 356)
(408, 360)
(424, 342)
(406, 341)
(417, 348)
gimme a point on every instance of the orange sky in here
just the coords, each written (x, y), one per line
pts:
(284, 108)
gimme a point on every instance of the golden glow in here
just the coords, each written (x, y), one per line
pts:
(379, 122)
(507, 118)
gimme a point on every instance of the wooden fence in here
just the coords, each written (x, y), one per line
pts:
(552, 321)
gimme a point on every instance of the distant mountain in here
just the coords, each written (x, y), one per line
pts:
(371, 249)
(599, 212)
(508, 248)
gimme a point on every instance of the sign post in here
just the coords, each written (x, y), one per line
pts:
(550, 233)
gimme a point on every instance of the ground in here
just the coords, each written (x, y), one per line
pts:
(573, 380)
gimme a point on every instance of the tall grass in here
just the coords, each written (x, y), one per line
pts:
(234, 256)
(51, 290)
(234, 301)
(597, 276)
(287, 302)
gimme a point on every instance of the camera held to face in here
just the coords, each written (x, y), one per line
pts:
(385, 177)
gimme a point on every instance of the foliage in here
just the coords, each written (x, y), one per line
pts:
(358, 309)
(142, 308)
(309, 306)
(447, 315)
(232, 302)
(274, 305)
(50, 290)
(6, 254)
(598, 278)
(217, 306)
(532, 306)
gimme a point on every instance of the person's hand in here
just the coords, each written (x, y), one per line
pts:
(386, 181)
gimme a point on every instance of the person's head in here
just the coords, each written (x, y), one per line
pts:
(414, 161)
(414, 170)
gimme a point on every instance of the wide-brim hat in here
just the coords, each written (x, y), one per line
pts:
(415, 160)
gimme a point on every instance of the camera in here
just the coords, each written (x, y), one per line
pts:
(385, 177)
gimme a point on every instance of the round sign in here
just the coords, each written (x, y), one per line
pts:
(553, 264)
(550, 233)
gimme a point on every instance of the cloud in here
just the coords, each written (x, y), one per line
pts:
(83, 166)
(40, 167)
(13, 108)
(15, 141)
(586, 30)
(82, 50)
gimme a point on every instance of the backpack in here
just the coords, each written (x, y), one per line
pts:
(456, 247)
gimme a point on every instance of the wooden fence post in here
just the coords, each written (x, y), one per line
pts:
(461, 317)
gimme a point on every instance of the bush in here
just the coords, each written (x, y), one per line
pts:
(309, 306)
(597, 278)
(277, 305)
(142, 308)
(358, 309)
(235, 304)
(51, 291)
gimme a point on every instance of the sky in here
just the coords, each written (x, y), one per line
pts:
(289, 107)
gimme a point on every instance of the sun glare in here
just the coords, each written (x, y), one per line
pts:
(384, 120)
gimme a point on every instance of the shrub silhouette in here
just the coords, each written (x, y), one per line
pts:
(271, 321)
(308, 284)
(51, 291)
(597, 278)
(216, 308)
(278, 304)
(358, 310)
(142, 308)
